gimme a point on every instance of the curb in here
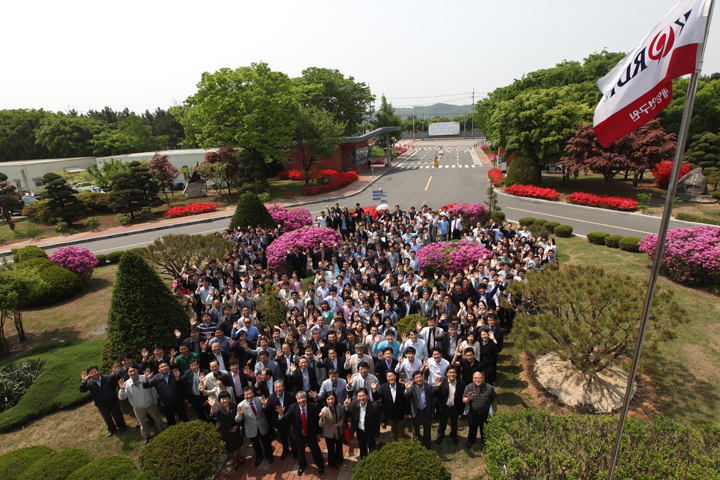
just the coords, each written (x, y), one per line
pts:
(198, 221)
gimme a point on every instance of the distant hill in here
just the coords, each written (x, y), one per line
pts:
(433, 110)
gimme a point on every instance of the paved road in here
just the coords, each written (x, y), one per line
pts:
(458, 179)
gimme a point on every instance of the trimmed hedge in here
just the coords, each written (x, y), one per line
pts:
(694, 218)
(498, 216)
(716, 194)
(598, 238)
(14, 463)
(138, 250)
(563, 231)
(112, 467)
(28, 253)
(58, 386)
(527, 221)
(251, 212)
(540, 221)
(401, 460)
(187, 461)
(523, 170)
(404, 325)
(551, 225)
(57, 283)
(630, 244)
(613, 241)
(114, 257)
(57, 466)
(102, 259)
(537, 444)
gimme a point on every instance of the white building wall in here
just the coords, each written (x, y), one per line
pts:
(27, 174)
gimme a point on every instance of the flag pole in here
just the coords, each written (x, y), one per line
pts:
(657, 259)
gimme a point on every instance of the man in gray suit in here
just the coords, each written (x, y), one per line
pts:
(422, 401)
(425, 305)
(257, 429)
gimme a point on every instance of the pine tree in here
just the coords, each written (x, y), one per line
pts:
(251, 212)
(143, 311)
(385, 117)
(492, 201)
(62, 200)
(134, 189)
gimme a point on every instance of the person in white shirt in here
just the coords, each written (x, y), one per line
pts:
(436, 365)
(417, 343)
(409, 364)
(321, 220)
(143, 400)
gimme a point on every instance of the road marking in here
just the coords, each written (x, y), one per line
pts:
(453, 166)
(428, 184)
(578, 220)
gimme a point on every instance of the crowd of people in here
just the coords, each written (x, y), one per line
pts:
(336, 366)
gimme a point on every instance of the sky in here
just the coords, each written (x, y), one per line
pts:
(142, 55)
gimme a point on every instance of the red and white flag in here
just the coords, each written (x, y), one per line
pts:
(640, 86)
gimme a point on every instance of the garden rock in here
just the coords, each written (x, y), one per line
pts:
(601, 392)
(693, 188)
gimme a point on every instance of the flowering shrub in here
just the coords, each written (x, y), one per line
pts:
(290, 219)
(471, 213)
(337, 180)
(192, 209)
(295, 175)
(662, 172)
(450, 257)
(449, 206)
(79, 260)
(614, 203)
(401, 150)
(283, 175)
(533, 192)
(692, 255)
(304, 237)
(484, 147)
(371, 212)
(495, 175)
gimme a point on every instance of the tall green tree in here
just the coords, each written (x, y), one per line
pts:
(164, 124)
(62, 202)
(344, 98)
(14, 286)
(134, 189)
(143, 311)
(130, 135)
(385, 117)
(706, 110)
(103, 176)
(253, 107)
(64, 136)
(317, 136)
(10, 199)
(17, 134)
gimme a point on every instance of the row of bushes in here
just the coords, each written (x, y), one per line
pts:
(96, 201)
(629, 244)
(694, 218)
(337, 180)
(555, 228)
(537, 444)
(57, 387)
(576, 198)
(114, 257)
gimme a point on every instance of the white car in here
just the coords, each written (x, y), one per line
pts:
(86, 186)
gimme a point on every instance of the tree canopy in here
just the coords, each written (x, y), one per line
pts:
(385, 117)
(317, 135)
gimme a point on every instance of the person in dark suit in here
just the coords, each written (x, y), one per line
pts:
(421, 399)
(367, 430)
(450, 342)
(405, 306)
(303, 378)
(214, 353)
(298, 260)
(278, 405)
(394, 404)
(450, 391)
(304, 419)
(190, 382)
(261, 388)
(102, 389)
(385, 364)
(159, 356)
(445, 311)
(225, 412)
(333, 361)
(169, 392)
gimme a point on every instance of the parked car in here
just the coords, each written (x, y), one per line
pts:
(86, 186)
(27, 200)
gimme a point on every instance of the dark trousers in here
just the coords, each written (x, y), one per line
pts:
(365, 441)
(445, 414)
(112, 414)
(491, 377)
(506, 317)
(335, 451)
(198, 403)
(422, 418)
(476, 420)
(177, 409)
(261, 442)
(312, 443)
(285, 439)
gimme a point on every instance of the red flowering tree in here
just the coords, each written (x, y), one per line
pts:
(163, 172)
(636, 152)
(225, 156)
(663, 170)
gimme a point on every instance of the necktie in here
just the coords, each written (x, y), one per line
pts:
(252, 405)
(304, 421)
(432, 339)
(334, 386)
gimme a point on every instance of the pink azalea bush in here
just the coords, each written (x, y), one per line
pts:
(290, 219)
(79, 260)
(692, 255)
(450, 257)
(304, 237)
(471, 213)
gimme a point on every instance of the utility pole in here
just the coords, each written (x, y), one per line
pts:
(423, 125)
(472, 122)
(413, 123)
(465, 125)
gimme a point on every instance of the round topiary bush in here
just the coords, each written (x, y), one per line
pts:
(540, 221)
(526, 221)
(174, 453)
(523, 170)
(539, 231)
(56, 283)
(630, 244)
(498, 216)
(407, 323)
(114, 257)
(563, 231)
(251, 212)
(102, 259)
(112, 467)
(551, 225)
(14, 463)
(401, 460)
(613, 241)
(138, 250)
(598, 238)
(29, 252)
(57, 466)
(716, 194)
